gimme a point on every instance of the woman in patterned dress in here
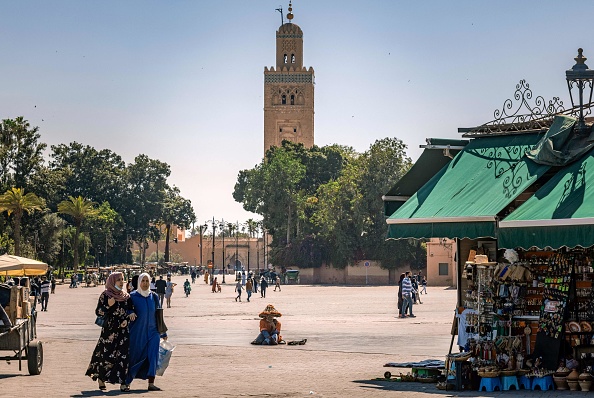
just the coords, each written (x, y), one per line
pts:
(110, 359)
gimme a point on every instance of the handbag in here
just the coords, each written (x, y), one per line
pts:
(100, 321)
(161, 327)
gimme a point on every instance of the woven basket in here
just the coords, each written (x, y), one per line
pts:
(508, 373)
(522, 372)
(461, 358)
(488, 374)
(427, 379)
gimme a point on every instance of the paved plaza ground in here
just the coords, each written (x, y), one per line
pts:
(351, 333)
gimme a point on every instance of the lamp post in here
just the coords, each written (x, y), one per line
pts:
(214, 227)
(236, 242)
(582, 78)
(223, 235)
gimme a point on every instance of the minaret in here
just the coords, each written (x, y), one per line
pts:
(289, 91)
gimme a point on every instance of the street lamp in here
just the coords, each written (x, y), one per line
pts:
(223, 235)
(236, 243)
(582, 78)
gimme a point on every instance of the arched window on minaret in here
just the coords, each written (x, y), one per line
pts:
(292, 99)
(292, 58)
(284, 100)
(286, 58)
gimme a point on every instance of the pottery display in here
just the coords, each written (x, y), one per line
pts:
(574, 375)
(573, 385)
(560, 382)
(585, 384)
(585, 376)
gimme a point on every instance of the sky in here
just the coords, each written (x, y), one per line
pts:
(183, 81)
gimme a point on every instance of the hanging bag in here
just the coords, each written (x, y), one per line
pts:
(161, 327)
(165, 351)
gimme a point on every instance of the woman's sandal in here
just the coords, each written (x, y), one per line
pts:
(125, 388)
(101, 384)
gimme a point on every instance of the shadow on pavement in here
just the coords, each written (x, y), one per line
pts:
(108, 393)
(417, 388)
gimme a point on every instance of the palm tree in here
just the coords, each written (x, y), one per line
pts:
(15, 201)
(79, 209)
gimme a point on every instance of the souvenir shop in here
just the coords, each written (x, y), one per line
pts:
(526, 321)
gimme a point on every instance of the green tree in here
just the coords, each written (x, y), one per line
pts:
(87, 172)
(16, 203)
(78, 209)
(101, 226)
(176, 211)
(143, 197)
(21, 153)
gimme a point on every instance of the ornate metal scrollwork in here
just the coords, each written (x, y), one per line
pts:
(522, 116)
(505, 162)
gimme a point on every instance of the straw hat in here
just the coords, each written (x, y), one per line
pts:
(269, 310)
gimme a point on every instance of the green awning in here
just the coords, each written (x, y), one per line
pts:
(463, 199)
(427, 165)
(560, 213)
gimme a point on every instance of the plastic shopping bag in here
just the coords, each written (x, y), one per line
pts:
(165, 351)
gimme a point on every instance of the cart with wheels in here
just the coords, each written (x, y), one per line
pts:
(21, 342)
(20, 339)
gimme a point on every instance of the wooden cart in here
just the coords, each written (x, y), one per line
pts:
(21, 341)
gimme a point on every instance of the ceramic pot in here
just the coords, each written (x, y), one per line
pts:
(574, 375)
(585, 376)
(585, 384)
(573, 385)
(560, 383)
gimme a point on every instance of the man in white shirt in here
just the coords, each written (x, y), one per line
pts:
(45, 292)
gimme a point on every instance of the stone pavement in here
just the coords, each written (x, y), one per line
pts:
(351, 333)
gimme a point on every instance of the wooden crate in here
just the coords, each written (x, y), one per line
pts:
(15, 306)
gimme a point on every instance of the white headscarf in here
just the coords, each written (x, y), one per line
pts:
(147, 292)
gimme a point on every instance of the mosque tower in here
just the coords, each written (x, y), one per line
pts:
(288, 90)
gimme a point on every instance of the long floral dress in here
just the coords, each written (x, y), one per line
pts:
(110, 358)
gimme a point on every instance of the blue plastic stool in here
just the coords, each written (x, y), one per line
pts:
(525, 382)
(490, 384)
(509, 381)
(544, 383)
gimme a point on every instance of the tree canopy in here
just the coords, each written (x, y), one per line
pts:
(323, 205)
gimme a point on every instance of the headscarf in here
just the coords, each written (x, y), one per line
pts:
(147, 292)
(110, 288)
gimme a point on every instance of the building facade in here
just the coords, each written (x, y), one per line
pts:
(289, 91)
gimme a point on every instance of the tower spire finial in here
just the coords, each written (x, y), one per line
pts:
(290, 14)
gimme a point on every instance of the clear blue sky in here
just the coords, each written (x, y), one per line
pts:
(182, 81)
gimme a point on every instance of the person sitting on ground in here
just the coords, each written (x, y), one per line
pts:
(269, 327)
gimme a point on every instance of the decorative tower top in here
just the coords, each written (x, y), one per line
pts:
(290, 14)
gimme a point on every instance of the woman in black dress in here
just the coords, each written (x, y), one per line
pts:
(110, 358)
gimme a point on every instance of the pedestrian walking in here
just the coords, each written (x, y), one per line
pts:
(161, 286)
(277, 284)
(206, 277)
(144, 336)
(238, 288)
(415, 292)
(400, 301)
(45, 292)
(249, 284)
(255, 278)
(263, 286)
(243, 278)
(407, 302)
(53, 285)
(110, 360)
(424, 286)
(169, 291)
(193, 275)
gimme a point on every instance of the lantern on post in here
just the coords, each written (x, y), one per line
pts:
(580, 77)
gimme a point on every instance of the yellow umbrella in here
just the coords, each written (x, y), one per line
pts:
(21, 266)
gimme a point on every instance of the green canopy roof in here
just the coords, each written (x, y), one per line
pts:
(465, 196)
(560, 213)
(427, 165)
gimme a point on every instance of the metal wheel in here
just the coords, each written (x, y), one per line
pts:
(35, 357)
